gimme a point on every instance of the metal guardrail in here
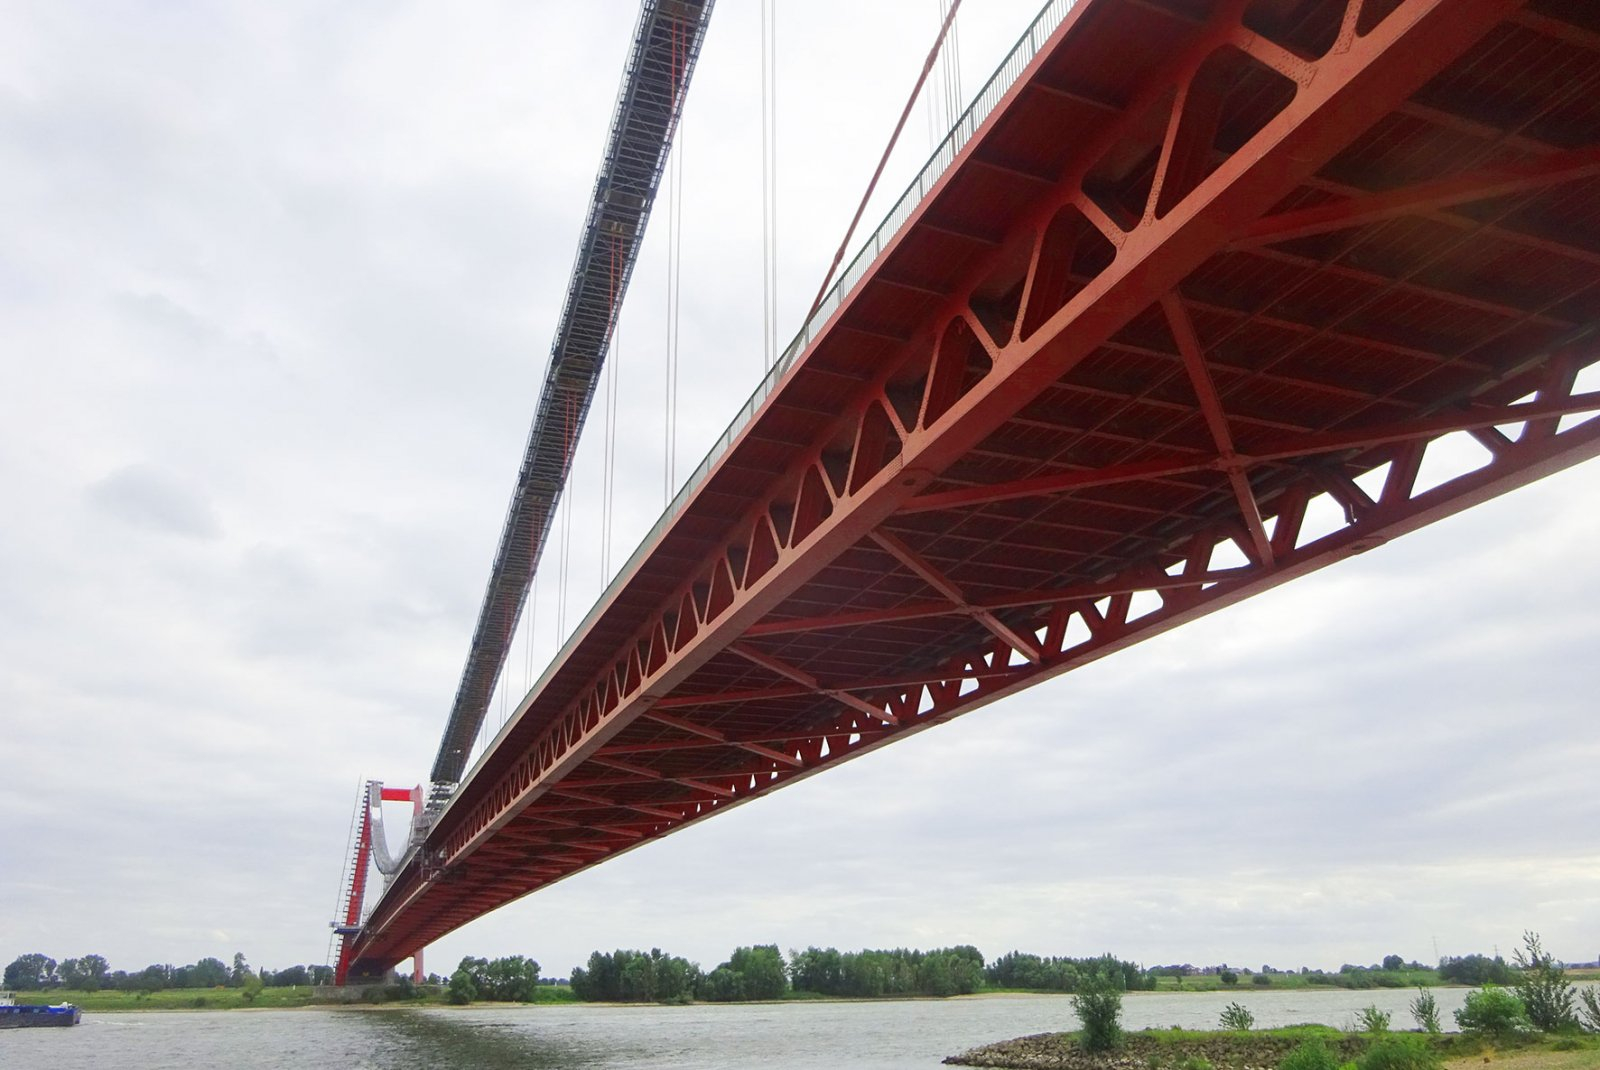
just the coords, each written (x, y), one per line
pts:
(998, 85)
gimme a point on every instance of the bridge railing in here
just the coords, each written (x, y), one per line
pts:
(988, 98)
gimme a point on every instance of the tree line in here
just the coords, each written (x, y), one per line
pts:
(756, 972)
(762, 972)
(1060, 974)
(35, 972)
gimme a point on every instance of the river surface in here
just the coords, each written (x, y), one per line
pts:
(909, 1035)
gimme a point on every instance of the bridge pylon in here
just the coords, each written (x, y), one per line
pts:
(370, 847)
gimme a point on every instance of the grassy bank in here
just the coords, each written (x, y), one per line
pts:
(227, 999)
(1184, 1049)
(172, 999)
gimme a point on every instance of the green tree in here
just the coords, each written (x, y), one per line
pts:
(1589, 1007)
(30, 973)
(289, 977)
(251, 987)
(635, 977)
(1236, 1017)
(1229, 977)
(241, 969)
(722, 985)
(1373, 1020)
(1393, 962)
(1017, 969)
(1425, 1009)
(512, 979)
(1543, 987)
(761, 969)
(88, 974)
(478, 970)
(207, 973)
(601, 981)
(1098, 1004)
(637, 983)
(1475, 970)
(152, 978)
(676, 979)
(1493, 1011)
(462, 990)
(816, 970)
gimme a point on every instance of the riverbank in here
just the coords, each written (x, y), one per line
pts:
(1178, 1049)
(108, 1001)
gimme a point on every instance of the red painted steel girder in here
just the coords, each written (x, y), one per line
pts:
(1208, 263)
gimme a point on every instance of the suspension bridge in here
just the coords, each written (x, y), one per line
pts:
(1184, 307)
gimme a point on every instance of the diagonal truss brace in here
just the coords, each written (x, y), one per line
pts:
(818, 508)
(941, 583)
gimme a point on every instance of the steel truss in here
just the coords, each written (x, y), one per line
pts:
(737, 683)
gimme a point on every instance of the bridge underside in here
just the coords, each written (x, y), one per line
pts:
(1210, 267)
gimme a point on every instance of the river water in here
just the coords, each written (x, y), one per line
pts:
(909, 1035)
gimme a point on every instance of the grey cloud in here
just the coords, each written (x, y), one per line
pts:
(146, 497)
(309, 281)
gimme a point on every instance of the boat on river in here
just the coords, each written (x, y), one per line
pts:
(15, 1016)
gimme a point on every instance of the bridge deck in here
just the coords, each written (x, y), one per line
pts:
(1208, 264)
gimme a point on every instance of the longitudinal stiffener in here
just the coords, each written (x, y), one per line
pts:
(666, 44)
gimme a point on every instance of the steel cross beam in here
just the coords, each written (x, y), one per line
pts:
(806, 680)
(1194, 362)
(1482, 185)
(958, 600)
(919, 413)
(1468, 418)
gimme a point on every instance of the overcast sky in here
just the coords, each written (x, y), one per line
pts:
(277, 287)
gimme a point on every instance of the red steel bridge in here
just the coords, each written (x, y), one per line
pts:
(1185, 270)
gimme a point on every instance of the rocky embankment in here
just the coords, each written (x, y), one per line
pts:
(1144, 1051)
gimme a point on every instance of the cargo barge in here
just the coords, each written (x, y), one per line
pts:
(13, 1016)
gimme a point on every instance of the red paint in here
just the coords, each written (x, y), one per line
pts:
(1188, 276)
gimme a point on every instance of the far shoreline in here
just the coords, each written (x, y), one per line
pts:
(98, 1003)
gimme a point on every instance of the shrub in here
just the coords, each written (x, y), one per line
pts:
(1543, 987)
(1196, 1062)
(1371, 1020)
(1399, 1051)
(1229, 977)
(1261, 979)
(1099, 1006)
(1425, 1009)
(1589, 1006)
(1493, 1011)
(1313, 1054)
(1236, 1017)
